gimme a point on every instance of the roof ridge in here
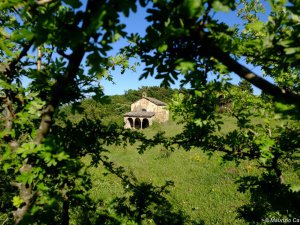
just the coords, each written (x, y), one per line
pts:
(156, 101)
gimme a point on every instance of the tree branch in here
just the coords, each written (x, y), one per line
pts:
(26, 194)
(59, 90)
(7, 101)
(8, 118)
(12, 65)
(212, 50)
(63, 54)
(276, 169)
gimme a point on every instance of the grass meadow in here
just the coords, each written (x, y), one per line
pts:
(204, 187)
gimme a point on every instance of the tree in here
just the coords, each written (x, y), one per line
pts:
(189, 41)
(185, 39)
(161, 93)
(41, 158)
(245, 86)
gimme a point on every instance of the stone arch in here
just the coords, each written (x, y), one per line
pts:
(137, 123)
(130, 122)
(145, 123)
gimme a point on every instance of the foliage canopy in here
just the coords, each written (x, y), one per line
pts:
(40, 160)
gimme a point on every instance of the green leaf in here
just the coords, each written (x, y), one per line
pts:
(17, 201)
(4, 47)
(284, 108)
(34, 209)
(6, 85)
(61, 156)
(26, 149)
(162, 48)
(42, 187)
(116, 37)
(18, 35)
(292, 50)
(192, 7)
(6, 166)
(295, 188)
(26, 177)
(285, 43)
(198, 93)
(219, 6)
(185, 67)
(74, 3)
(256, 26)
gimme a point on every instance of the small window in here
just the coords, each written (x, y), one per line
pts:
(145, 110)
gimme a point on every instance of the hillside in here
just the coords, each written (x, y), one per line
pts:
(204, 189)
(201, 188)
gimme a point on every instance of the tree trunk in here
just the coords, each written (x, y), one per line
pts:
(65, 216)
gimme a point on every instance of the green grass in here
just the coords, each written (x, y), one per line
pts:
(205, 188)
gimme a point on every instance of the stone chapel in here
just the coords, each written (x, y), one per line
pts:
(144, 112)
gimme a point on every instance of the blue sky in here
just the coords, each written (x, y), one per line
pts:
(136, 23)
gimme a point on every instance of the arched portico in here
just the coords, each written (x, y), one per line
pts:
(138, 120)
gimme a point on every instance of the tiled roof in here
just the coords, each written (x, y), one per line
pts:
(155, 101)
(139, 114)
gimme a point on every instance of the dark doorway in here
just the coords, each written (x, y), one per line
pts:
(137, 123)
(145, 123)
(130, 120)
